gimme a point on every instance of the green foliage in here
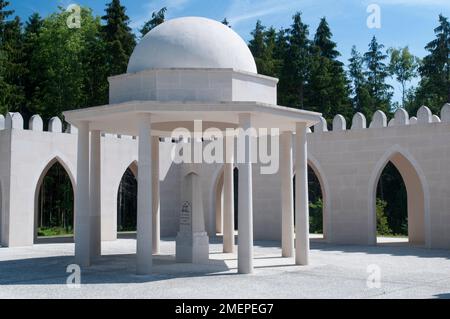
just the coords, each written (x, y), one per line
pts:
(392, 191)
(54, 232)
(225, 22)
(118, 38)
(73, 76)
(32, 80)
(316, 217)
(360, 91)
(403, 66)
(55, 204)
(263, 47)
(127, 203)
(382, 221)
(4, 15)
(13, 66)
(434, 87)
(376, 74)
(157, 18)
(328, 89)
(295, 72)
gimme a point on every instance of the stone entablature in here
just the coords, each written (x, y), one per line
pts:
(200, 85)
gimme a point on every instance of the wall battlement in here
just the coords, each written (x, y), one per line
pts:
(380, 120)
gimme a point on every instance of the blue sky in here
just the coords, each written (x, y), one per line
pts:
(403, 22)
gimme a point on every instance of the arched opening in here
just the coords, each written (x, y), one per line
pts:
(317, 202)
(54, 202)
(399, 203)
(127, 201)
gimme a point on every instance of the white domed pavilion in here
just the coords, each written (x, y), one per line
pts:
(186, 71)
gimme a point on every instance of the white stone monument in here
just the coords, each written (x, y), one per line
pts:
(192, 243)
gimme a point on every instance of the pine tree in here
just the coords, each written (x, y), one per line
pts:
(256, 44)
(4, 15)
(14, 65)
(327, 90)
(322, 40)
(376, 74)
(32, 81)
(280, 51)
(5, 88)
(262, 47)
(268, 63)
(119, 39)
(297, 63)
(361, 98)
(225, 22)
(157, 19)
(434, 88)
(93, 57)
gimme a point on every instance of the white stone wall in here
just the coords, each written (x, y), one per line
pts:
(347, 162)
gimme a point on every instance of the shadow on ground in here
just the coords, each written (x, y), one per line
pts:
(107, 270)
(121, 268)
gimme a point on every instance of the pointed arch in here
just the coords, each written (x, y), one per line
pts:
(317, 168)
(38, 184)
(126, 194)
(417, 192)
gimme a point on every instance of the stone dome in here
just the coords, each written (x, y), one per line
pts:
(192, 42)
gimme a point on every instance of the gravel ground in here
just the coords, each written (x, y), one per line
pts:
(335, 272)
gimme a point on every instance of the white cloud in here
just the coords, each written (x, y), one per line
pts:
(411, 3)
(242, 10)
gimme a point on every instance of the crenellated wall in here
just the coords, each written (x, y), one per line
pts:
(348, 164)
(351, 162)
(27, 155)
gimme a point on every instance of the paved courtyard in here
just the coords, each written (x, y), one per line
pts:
(335, 272)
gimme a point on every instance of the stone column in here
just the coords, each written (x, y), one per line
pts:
(287, 195)
(156, 197)
(145, 195)
(82, 207)
(245, 214)
(301, 197)
(95, 195)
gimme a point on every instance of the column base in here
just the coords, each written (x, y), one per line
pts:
(192, 248)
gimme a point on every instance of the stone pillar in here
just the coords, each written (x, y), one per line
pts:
(82, 207)
(245, 214)
(287, 195)
(301, 197)
(145, 195)
(95, 195)
(156, 197)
